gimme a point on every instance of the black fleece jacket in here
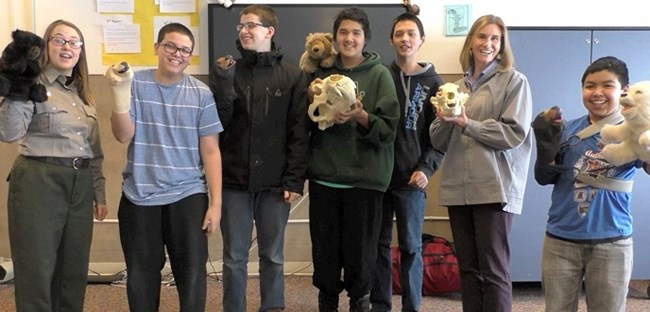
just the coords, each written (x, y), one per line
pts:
(265, 137)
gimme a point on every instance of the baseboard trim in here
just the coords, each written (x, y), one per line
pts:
(107, 272)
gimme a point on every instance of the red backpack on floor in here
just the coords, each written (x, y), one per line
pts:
(440, 274)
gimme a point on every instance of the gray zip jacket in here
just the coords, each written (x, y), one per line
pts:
(487, 162)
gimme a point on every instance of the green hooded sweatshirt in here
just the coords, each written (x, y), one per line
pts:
(349, 154)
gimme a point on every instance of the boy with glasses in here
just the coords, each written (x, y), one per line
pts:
(173, 163)
(263, 106)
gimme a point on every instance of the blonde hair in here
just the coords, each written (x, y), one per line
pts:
(505, 58)
(80, 70)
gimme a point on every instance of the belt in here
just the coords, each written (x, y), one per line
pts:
(75, 163)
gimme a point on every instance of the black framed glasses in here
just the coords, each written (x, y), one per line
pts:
(249, 26)
(172, 48)
(72, 43)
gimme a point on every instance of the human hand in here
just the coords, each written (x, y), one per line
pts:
(354, 113)
(120, 77)
(419, 179)
(290, 197)
(460, 120)
(315, 88)
(211, 219)
(100, 211)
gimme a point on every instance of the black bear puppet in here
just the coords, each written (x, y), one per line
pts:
(20, 68)
(547, 127)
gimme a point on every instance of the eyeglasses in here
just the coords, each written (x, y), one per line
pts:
(249, 26)
(172, 48)
(72, 43)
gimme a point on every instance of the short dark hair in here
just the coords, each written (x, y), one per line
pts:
(177, 28)
(354, 14)
(265, 13)
(408, 16)
(611, 64)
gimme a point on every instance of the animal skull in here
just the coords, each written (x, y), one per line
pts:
(449, 100)
(336, 93)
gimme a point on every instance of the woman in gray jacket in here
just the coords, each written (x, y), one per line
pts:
(484, 171)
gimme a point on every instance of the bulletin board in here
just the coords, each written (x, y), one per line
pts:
(144, 12)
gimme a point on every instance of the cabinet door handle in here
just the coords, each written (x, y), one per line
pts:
(588, 41)
(596, 41)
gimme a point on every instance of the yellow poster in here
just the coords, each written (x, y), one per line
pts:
(146, 12)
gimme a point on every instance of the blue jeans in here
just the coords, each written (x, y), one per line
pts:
(270, 213)
(408, 207)
(605, 268)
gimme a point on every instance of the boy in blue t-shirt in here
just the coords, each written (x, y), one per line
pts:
(173, 163)
(589, 227)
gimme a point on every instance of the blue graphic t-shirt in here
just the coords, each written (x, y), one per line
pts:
(580, 211)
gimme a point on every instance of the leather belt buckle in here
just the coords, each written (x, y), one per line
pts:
(76, 162)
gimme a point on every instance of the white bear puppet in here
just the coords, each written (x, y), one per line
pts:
(336, 93)
(630, 140)
(449, 100)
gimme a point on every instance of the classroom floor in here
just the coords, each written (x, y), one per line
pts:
(301, 297)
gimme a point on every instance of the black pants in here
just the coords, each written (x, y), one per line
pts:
(344, 226)
(144, 233)
(481, 237)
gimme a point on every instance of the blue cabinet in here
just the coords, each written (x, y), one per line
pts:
(554, 60)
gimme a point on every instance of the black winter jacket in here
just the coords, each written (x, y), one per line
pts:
(265, 137)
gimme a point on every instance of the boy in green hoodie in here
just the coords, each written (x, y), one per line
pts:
(350, 168)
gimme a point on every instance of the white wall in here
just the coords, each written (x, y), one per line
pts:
(443, 51)
(15, 14)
